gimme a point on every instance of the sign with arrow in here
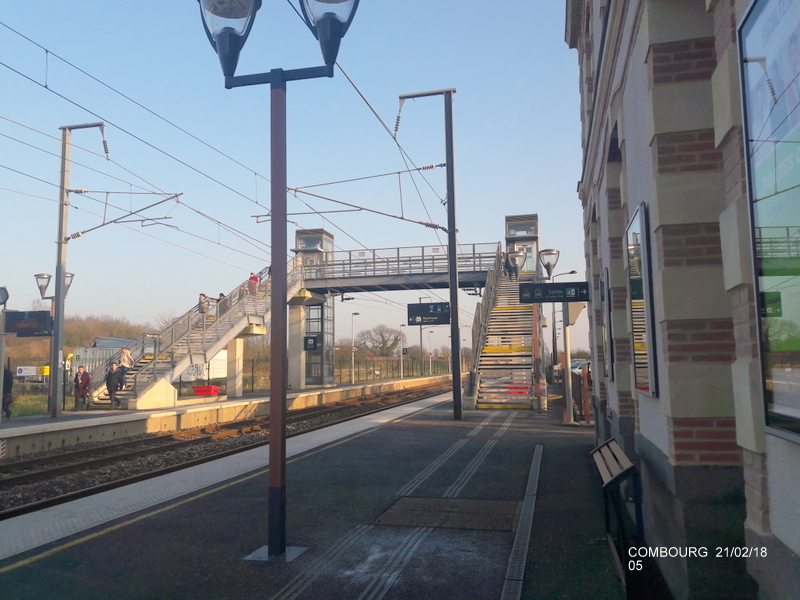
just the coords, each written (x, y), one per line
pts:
(573, 291)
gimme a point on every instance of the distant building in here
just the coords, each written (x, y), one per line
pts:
(692, 221)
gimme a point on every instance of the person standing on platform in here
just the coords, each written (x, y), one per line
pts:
(113, 383)
(125, 363)
(8, 386)
(82, 385)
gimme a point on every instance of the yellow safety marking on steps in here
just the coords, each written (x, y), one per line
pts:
(512, 308)
(507, 349)
(511, 406)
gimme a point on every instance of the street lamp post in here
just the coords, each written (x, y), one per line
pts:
(430, 352)
(548, 259)
(3, 300)
(56, 385)
(555, 350)
(401, 350)
(421, 347)
(227, 24)
(353, 347)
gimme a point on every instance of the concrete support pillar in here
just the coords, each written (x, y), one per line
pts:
(235, 368)
(297, 355)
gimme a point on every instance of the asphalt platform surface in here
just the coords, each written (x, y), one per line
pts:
(501, 504)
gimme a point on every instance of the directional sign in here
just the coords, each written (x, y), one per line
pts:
(573, 291)
(429, 313)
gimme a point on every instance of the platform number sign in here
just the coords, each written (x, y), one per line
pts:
(429, 313)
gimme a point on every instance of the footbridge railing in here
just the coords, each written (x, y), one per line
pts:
(409, 260)
(480, 322)
(156, 355)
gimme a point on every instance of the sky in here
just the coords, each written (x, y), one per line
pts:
(147, 70)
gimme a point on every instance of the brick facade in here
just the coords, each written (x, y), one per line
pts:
(699, 340)
(686, 152)
(704, 441)
(684, 60)
(692, 245)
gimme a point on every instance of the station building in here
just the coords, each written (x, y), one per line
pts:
(690, 114)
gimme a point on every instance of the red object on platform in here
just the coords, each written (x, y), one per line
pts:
(205, 390)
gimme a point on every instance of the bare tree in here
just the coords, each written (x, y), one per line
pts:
(164, 319)
(380, 341)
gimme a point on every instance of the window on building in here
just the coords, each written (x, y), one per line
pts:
(769, 44)
(637, 265)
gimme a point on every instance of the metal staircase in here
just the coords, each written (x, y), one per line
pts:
(505, 363)
(194, 338)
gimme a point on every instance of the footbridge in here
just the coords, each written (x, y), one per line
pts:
(395, 269)
(196, 337)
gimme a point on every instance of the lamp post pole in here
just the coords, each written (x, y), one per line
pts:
(227, 24)
(555, 351)
(452, 244)
(430, 352)
(3, 300)
(353, 347)
(401, 351)
(568, 416)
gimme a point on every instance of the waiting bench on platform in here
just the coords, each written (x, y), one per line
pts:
(625, 531)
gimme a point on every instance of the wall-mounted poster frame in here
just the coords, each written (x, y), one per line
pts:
(640, 302)
(769, 56)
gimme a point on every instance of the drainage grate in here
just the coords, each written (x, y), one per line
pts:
(451, 513)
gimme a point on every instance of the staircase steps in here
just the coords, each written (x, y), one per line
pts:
(505, 365)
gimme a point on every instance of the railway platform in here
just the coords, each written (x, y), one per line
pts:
(404, 504)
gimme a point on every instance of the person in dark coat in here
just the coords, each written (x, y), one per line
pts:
(8, 385)
(222, 304)
(82, 385)
(113, 383)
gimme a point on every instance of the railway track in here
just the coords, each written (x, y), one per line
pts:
(33, 484)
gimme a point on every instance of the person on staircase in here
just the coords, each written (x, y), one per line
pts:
(113, 383)
(203, 304)
(512, 266)
(126, 362)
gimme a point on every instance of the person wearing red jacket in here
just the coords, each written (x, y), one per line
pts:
(82, 385)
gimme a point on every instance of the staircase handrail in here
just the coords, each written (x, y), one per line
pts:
(237, 304)
(480, 321)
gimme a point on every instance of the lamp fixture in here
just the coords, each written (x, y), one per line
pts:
(549, 259)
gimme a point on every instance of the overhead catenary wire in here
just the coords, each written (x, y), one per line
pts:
(256, 175)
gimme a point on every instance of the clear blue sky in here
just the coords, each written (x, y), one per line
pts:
(517, 143)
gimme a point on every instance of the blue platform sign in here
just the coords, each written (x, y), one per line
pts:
(573, 291)
(429, 313)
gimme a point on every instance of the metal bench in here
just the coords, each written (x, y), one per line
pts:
(624, 530)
